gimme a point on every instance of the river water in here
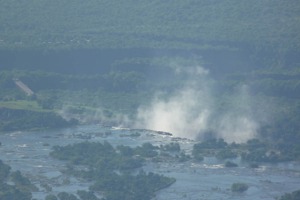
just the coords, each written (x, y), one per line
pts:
(29, 153)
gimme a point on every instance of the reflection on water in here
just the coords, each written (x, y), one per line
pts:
(29, 153)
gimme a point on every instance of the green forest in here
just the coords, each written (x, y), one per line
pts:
(100, 62)
(155, 24)
(82, 58)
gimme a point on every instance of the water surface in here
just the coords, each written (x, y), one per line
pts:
(29, 153)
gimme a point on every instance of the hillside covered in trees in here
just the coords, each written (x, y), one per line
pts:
(114, 56)
(156, 24)
(224, 74)
(113, 62)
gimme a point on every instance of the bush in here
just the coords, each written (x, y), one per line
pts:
(291, 196)
(254, 165)
(230, 164)
(172, 147)
(198, 157)
(51, 197)
(226, 153)
(239, 187)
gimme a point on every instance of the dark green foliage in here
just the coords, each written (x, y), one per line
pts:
(198, 157)
(176, 24)
(66, 196)
(85, 153)
(173, 150)
(4, 171)
(255, 144)
(182, 157)
(261, 152)
(226, 153)
(291, 196)
(253, 165)
(9, 192)
(239, 187)
(141, 186)
(147, 150)
(172, 147)
(253, 151)
(21, 190)
(84, 195)
(16, 119)
(22, 183)
(101, 97)
(125, 150)
(110, 169)
(18, 179)
(51, 197)
(230, 164)
(209, 147)
(100, 55)
(103, 156)
(211, 144)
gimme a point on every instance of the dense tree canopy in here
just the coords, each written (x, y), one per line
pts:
(65, 24)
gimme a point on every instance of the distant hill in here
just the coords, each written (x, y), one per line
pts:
(175, 24)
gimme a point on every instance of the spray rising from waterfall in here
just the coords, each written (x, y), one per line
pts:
(193, 110)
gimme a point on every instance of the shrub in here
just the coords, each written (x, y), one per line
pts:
(230, 164)
(239, 187)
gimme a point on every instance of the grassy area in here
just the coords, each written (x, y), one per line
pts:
(22, 105)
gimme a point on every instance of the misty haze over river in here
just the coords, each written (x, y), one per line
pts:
(209, 179)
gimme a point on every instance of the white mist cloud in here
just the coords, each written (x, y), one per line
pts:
(237, 128)
(191, 112)
(181, 114)
(239, 123)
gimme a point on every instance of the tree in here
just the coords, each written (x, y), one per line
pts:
(239, 187)
(50, 197)
(66, 196)
(4, 171)
(19, 179)
(291, 196)
(84, 195)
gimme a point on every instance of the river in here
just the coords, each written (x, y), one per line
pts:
(209, 179)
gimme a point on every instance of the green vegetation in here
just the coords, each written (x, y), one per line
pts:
(113, 171)
(230, 164)
(19, 119)
(207, 148)
(172, 147)
(291, 196)
(99, 61)
(239, 187)
(51, 197)
(66, 196)
(226, 153)
(253, 151)
(73, 95)
(86, 195)
(20, 189)
(21, 104)
(258, 151)
(176, 24)
(4, 171)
